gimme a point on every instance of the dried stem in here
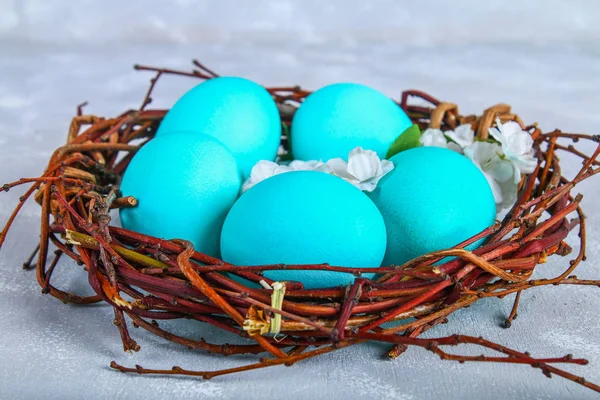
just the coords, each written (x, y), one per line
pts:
(513, 312)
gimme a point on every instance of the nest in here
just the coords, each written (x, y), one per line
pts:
(147, 279)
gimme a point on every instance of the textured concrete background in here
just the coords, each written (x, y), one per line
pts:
(540, 56)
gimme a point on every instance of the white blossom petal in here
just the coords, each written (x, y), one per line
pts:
(455, 140)
(366, 186)
(364, 169)
(364, 165)
(482, 152)
(433, 138)
(262, 170)
(497, 171)
(339, 167)
(298, 165)
(519, 142)
(527, 164)
(455, 147)
(496, 133)
(314, 165)
(501, 170)
(496, 188)
(281, 169)
(386, 166)
(509, 191)
(517, 147)
(358, 150)
(370, 184)
(510, 128)
(487, 156)
(463, 135)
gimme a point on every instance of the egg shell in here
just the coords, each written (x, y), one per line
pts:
(338, 118)
(433, 199)
(239, 113)
(304, 217)
(185, 185)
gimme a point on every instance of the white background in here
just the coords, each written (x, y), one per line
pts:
(542, 57)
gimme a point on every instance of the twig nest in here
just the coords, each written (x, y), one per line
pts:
(304, 217)
(433, 199)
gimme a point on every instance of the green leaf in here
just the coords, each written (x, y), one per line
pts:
(407, 140)
(287, 133)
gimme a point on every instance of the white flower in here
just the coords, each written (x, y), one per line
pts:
(364, 169)
(498, 172)
(517, 146)
(339, 168)
(461, 137)
(298, 165)
(265, 169)
(262, 170)
(433, 138)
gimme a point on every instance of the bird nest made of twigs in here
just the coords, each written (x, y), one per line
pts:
(148, 279)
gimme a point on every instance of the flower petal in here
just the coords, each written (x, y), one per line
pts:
(339, 167)
(497, 172)
(520, 143)
(386, 166)
(314, 165)
(433, 138)
(509, 191)
(482, 153)
(360, 150)
(499, 125)
(370, 184)
(463, 135)
(455, 147)
(496, 188)
(497, 134)
(526, 164)
(262, 170)
(510, 128)
(363, 170)
(299, 165)
(501, 170)
(517, 146)
(364, 166)
(367, 186)
(280, 169)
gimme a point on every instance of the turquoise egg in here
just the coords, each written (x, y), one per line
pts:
(304, 217)
(337, 118)
(239, 113)
(185, 185)
(433, 199)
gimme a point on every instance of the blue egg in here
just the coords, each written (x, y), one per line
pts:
(305, 217)
(337, 118)
(433, 199)
(185, 185)
(239, 113)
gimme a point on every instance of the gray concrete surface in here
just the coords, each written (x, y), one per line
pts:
(540, 56)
